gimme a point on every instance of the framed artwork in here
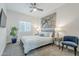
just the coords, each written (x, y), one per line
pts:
(48, 21)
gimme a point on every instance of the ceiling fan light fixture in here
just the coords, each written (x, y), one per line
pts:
(34, 9)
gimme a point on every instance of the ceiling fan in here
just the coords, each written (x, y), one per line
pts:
(34, 7)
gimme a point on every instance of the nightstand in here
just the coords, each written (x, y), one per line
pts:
(58, 40)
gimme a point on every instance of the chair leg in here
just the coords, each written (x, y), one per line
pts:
(75, 50)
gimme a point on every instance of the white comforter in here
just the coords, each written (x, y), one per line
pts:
(32, 42)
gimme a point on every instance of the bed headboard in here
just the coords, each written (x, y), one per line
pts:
(47, 32)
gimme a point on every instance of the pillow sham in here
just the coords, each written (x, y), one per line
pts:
(45, 34)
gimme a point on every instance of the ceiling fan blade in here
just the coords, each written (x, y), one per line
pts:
(34, 7)
(33, 4)
(39, 9)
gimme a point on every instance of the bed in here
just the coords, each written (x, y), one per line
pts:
(32, 42)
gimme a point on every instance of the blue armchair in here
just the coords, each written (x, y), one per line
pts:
(70, 41)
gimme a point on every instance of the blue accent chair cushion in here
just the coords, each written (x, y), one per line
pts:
(72, 44)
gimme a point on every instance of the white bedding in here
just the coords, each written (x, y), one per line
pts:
(32, 42)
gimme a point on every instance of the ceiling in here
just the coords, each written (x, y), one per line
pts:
(24, 8)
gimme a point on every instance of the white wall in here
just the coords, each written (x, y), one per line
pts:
(68, 19)
(13, 19)
(2, 33)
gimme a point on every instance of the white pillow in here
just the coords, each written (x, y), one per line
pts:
(45, 34)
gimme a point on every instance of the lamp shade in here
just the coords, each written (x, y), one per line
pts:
(58, 29)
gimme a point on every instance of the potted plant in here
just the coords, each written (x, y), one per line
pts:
(13, 33)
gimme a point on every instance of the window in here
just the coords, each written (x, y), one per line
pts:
(24, 26)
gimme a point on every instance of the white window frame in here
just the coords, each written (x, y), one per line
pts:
(27, 26)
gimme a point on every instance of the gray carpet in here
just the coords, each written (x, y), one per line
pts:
(13, 50)
(17, 50)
